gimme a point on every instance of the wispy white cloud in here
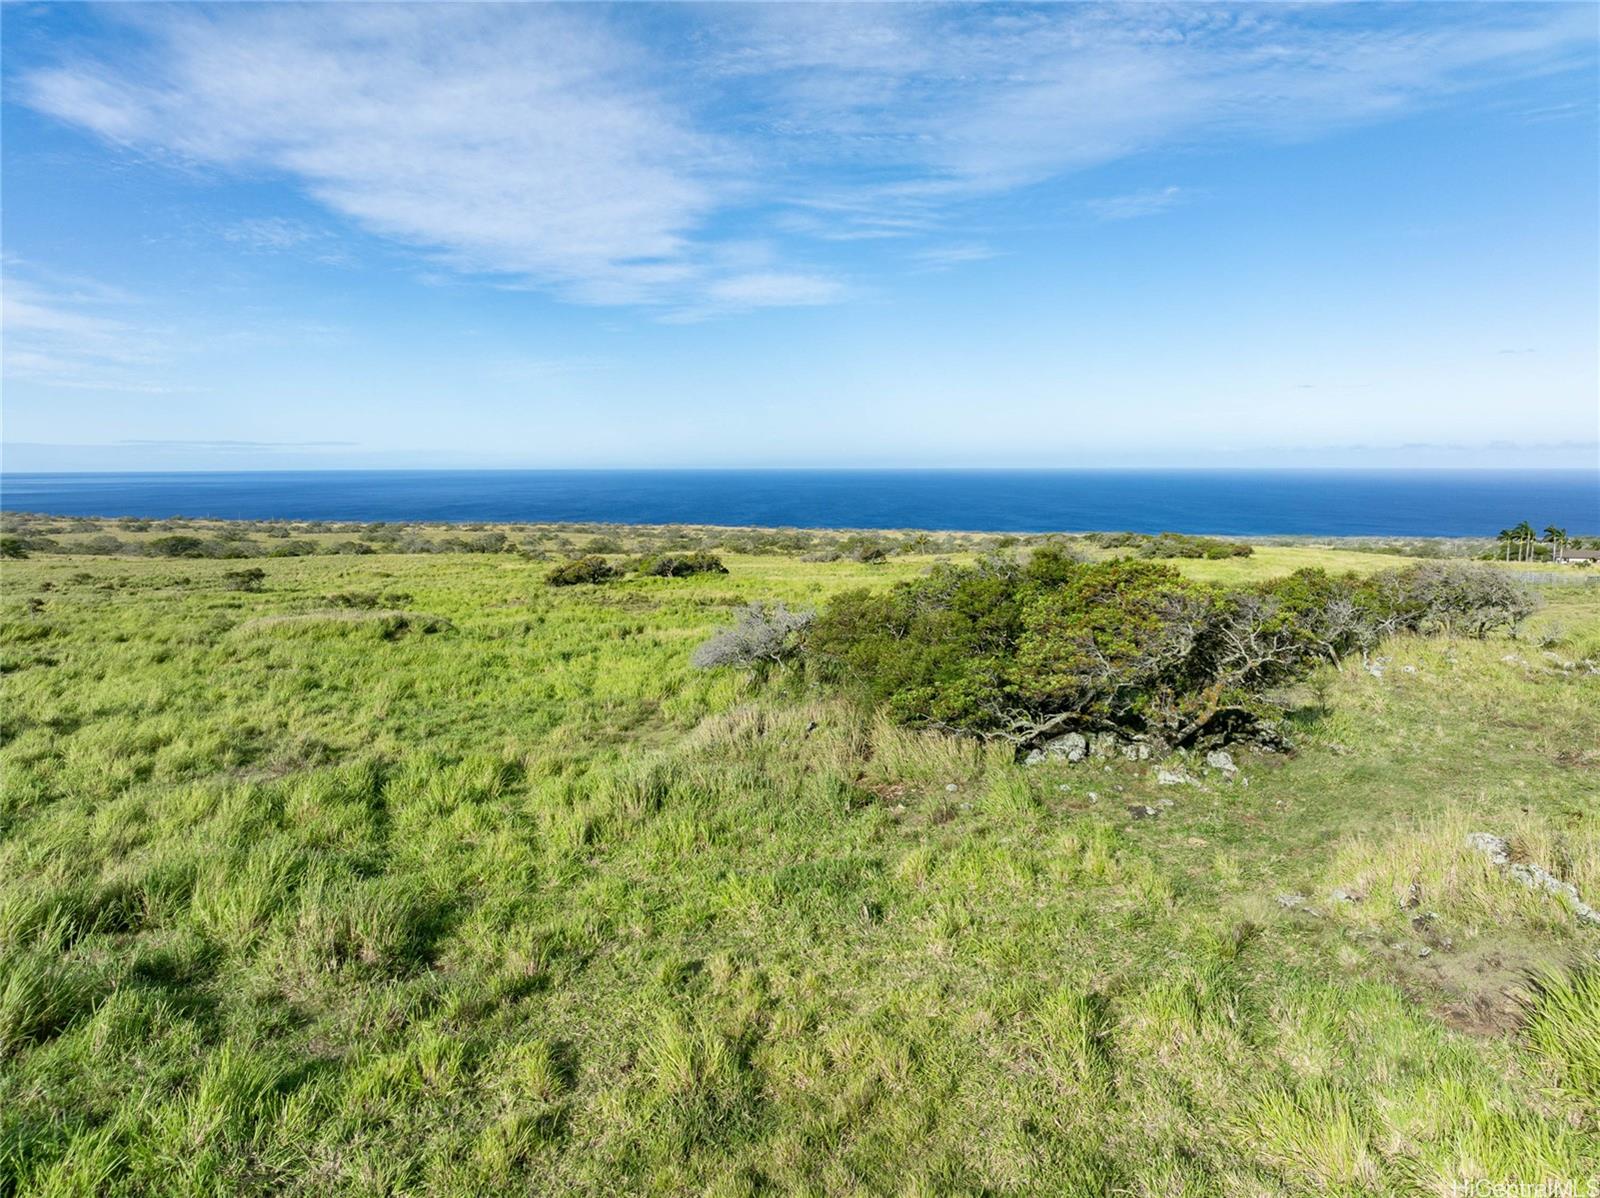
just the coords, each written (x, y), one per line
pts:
(270, 233)
(608, 158)
(1133, 204)
(759, 289)
(775, 289)
(524, 141)
(932, 107)
(281, 235)
(76, 333)
(943, 257)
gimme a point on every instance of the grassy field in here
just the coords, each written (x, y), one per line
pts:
(409, 874)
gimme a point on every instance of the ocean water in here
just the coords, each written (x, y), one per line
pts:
(1226, 502)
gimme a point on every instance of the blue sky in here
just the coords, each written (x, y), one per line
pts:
(728, 235)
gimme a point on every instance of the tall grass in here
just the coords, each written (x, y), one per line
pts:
(531, 906)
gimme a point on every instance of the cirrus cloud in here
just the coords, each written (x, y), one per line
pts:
(611, 154)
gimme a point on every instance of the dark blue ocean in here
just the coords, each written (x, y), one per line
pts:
(1227, 502)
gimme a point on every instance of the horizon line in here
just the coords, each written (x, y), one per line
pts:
(1128, 468)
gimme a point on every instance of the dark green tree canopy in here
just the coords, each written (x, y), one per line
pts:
(1026, 651)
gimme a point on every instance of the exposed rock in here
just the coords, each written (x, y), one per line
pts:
(1345, 896)
(1491, 846)
(1072, 747)
(1140, 811)
(1291, 902)
(1534, 877)
(1221, 759)
(1173, 778)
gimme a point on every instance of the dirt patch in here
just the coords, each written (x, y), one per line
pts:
(889, 793)
(1582, 759)
(1483, 989)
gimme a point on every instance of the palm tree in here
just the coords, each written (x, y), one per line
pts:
(1505, 537)
(1524, 533)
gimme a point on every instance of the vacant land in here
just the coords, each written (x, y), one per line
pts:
(411, 874)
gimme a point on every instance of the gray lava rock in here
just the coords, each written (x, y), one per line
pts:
(1491, 846)
(1072, 747)
(1534, 877)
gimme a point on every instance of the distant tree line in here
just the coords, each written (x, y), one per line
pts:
(27, 534)
(1522, 544)
(22, 534)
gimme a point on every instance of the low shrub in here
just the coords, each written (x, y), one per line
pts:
(589, 569)
(178, 545)
(1455, 598)
(1172, 544)
(293, 548)
(765, 635)
(681, 565)
(103, 545)
(1023, 652)
(243, 580)
(864, 549)
(487, 542)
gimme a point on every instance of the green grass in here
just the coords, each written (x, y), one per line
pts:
(486, 890)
